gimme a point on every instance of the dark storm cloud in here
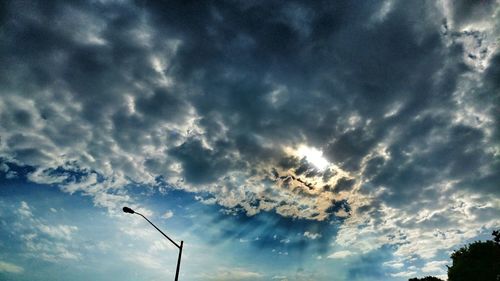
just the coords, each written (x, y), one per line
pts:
(199, 164)
(208, 96)
(397, 72)
(465, 12)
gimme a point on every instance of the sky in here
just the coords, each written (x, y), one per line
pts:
(280, 140)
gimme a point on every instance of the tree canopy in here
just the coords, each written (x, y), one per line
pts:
(477, 261)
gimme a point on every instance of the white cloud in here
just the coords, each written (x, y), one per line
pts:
(10, 267)
(25, 210)
(435, 266)
(238, 273)
(42, 239)
(4, 168)
(311, 235)
(9, 174)
(341, 254)
(168, 214)
(394, 264)
(408, 230)
(404, 274)
(58, 231)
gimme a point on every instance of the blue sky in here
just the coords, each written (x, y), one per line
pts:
(280, 140)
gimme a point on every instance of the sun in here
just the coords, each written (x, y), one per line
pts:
(313, 156)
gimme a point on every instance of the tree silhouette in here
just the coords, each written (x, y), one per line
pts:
(428, 278)
(496, 235)
(477, 261)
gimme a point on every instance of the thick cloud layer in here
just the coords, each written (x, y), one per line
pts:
(401, 97)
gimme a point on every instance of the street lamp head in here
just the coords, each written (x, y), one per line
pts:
(128, 210)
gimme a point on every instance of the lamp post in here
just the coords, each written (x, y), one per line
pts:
(130, 211)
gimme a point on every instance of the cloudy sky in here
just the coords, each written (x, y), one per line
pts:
(280, 140)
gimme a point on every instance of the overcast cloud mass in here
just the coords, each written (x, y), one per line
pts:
(302, 140)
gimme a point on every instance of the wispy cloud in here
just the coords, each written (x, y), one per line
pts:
(404, 274)
(44, 240)
(168, 214)
(312, 235)
(10, 267)
(233, 274)
(341, 254)
(436, 266)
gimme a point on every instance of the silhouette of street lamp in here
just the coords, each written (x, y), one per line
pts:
(130, 211)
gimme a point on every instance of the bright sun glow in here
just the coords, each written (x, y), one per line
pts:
(313, 156)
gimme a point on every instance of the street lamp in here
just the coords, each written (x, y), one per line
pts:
(130, 211)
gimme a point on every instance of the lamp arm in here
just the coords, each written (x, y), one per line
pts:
(177, 245)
